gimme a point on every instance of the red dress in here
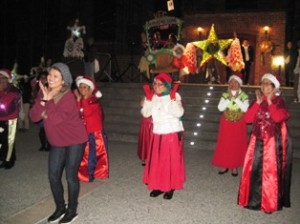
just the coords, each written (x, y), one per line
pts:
(94, 163)
(232, 136)
(231, 144)
(145, 134)
(266, 178)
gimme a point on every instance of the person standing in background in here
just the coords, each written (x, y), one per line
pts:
(45, 145)
(10, 100)
(248, 57)
(90, 58)
(26, 89)
(296, 75)
(146, 129)
(290, 60)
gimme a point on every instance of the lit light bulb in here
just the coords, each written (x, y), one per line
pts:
(206, 101)
(198, 125)
(192, 143)
(2, 106)
(201, 116)
(203, 108)
(208, 94)
(195, 133)
(211, 87)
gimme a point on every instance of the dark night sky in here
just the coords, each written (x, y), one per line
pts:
(32, 28)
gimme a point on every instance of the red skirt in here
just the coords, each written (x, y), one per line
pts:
(145, 134)
(94, 163)
(266, 178)
(231, 144)
(165, 169)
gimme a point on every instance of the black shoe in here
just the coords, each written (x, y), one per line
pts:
(168, 195)
(57, 215)
(234, 173)
(69, 217)
(155, 193)
(223, 171)
(42, 148)
(7, 165)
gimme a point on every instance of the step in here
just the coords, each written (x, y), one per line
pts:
(121, 104)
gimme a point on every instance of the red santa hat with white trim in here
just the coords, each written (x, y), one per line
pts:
(6, 73)
(238, 77)
(89, 81)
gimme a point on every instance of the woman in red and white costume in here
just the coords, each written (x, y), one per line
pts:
(94, 163)
(165, 170)
(266, 177)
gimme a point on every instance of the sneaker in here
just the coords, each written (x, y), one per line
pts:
(57, 215)
(69, 217)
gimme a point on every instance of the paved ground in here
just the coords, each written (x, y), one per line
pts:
(208, 198)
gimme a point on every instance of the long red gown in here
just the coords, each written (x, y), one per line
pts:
(266, 178)
(231, 144)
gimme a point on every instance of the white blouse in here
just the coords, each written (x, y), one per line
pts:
(166, 113)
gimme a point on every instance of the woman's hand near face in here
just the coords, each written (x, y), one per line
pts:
(48, 94)
(258, 96)
(44, 90)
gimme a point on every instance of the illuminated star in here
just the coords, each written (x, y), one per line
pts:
(213, 47)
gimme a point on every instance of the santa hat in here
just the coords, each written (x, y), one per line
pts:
(176, 47)
(89, 81)
(237, 77)
(164, 77)
(6, 73)
(274, 79)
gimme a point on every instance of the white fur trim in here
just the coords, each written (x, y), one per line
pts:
(238, 79)
(177, 46)
(85, 81)
(98, 94)
(272, 78)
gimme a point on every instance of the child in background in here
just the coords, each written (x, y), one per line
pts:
(45, 146)
(94, 163)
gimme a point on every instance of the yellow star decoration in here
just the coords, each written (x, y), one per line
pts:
(212, 47)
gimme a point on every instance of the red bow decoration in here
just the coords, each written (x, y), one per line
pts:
(173, 91)
(148, 92)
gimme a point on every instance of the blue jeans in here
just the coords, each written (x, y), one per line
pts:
(65, 157)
